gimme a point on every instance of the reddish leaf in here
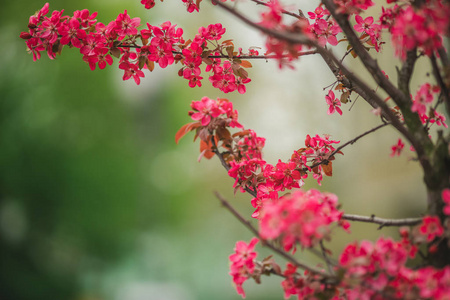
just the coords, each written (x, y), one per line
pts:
(241, 133)
(150, 65)
(206, 150)
(230, 50)
(228, 42)
(246, 64)
(185, 129)
(223, 134)
(328, 168)
(340, 86)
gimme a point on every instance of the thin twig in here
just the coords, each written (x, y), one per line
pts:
(383, 222)
(416, 134)
(298, 16)
(369, 95)
(301, 53)
(266, 243)
(440, 81)
(351, 142)
(326, 258)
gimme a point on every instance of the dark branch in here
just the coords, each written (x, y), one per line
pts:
(383, 222)
(298, 16)
(266, 243)
(416, 134)
(445, 91)
(404, 75)
(351, 142)
(296, 38)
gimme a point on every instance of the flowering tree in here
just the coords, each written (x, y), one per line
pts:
(287, 216)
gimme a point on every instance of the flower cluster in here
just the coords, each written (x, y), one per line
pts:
(370, 31)
(303, 217)
(352, 6)
(242, 263)
(430, 229)
(163, 45)
(272, 18)
(417, 27)
(421, 103)
(324, 27)
(371, 270)
(306, 287)
(191, 5)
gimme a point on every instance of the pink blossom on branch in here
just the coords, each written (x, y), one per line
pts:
(431, 228)
(398, 148)
(420, 27)
(371, 270)
(302, 217)
(333, 103)
(242, 263)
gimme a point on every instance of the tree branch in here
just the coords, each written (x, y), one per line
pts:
(445, 91)
(266, 243)
(383, 222)
(404, 75)
(370, 64)
(419, 140)
(416, 135)
(298, 16)
(351, 142)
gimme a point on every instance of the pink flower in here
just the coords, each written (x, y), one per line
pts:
(242, 263)
(423, 97)
(333, 103)
(86, 19)
(71, 33)
(302, 217)
(148, 3)
(420, 27)
(126, 26)
(205, 110)
(363, 24)
(397, 149)
(212, 32)
(131, 70)
(326, 31)
(431, 228)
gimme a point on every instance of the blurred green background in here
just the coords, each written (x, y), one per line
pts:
(97, 201)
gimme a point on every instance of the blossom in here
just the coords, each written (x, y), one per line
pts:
(148, 3)
(131, 70)
(326, 31)
(431, 228)
(212, 32)
(333, 103)
(205, 109)
(242, 263)
(303, 217)
(420, 27)
(397, 149)
(126, 26)
(423, 97)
